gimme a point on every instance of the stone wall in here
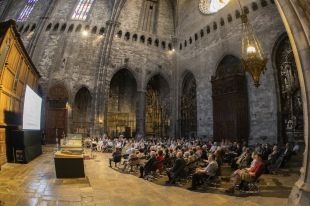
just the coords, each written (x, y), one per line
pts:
(203, 55)
(72, 59)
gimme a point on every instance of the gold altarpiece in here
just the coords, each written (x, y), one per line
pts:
(157, 120)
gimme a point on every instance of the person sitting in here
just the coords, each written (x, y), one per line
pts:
(202, 173)
(109, 147)
(204, 153)
(177, 170)
(116, 157)
(214, 147)
(99, 145)
(266, 150)
(160, 161)
(247, 174)
(149, 165)
(272, 160)
(186, 157)
(192, 157)
(288, 152)
(274, 154)
(219, 155)
(243, 160)
(133, 160)
(141, 157)
(128, 151)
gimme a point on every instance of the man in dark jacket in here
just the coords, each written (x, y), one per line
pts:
(177, 170)
(149, 165)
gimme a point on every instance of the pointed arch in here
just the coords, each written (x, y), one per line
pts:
(122, 104)
(230, 101)
(157, 107)
(81, 111)
(188, 105)
(56, 114)
(290, 104)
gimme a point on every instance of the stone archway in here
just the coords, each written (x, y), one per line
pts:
(56, 113)
(230, 101)
(188, 106)
(122, 104)
(157, 107)
(290, 118)
(81, 112)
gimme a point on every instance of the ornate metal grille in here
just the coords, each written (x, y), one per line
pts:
(292, 124)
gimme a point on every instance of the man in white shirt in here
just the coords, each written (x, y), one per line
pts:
(201, 173)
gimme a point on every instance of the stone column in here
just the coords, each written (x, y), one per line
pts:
(175, 91)
(140, 113)
(101, 85)
(297, 25)
(48, 10)
(5, 9)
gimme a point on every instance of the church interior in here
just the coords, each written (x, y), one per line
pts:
(147, 102)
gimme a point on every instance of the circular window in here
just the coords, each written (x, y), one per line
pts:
(212, 6)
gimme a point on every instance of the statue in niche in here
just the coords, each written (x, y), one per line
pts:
(288, 77)
(289, 125)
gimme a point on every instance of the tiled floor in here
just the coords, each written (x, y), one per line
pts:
(35, 184)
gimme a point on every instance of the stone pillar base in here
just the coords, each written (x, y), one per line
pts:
(300, 195)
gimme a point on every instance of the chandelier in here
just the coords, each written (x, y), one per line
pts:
(252, 55)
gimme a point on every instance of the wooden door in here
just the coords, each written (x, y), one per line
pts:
(230, 109)
(56, 113)
(230, 101)
(56, 122)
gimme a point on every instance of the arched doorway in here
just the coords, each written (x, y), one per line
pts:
(157, 115)
(56, 113)
(81, 112)
(291, 124)
(189, 106)
(122, 104)
(230, 101)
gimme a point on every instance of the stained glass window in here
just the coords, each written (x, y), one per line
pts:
(23, 16)
(82, 9)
